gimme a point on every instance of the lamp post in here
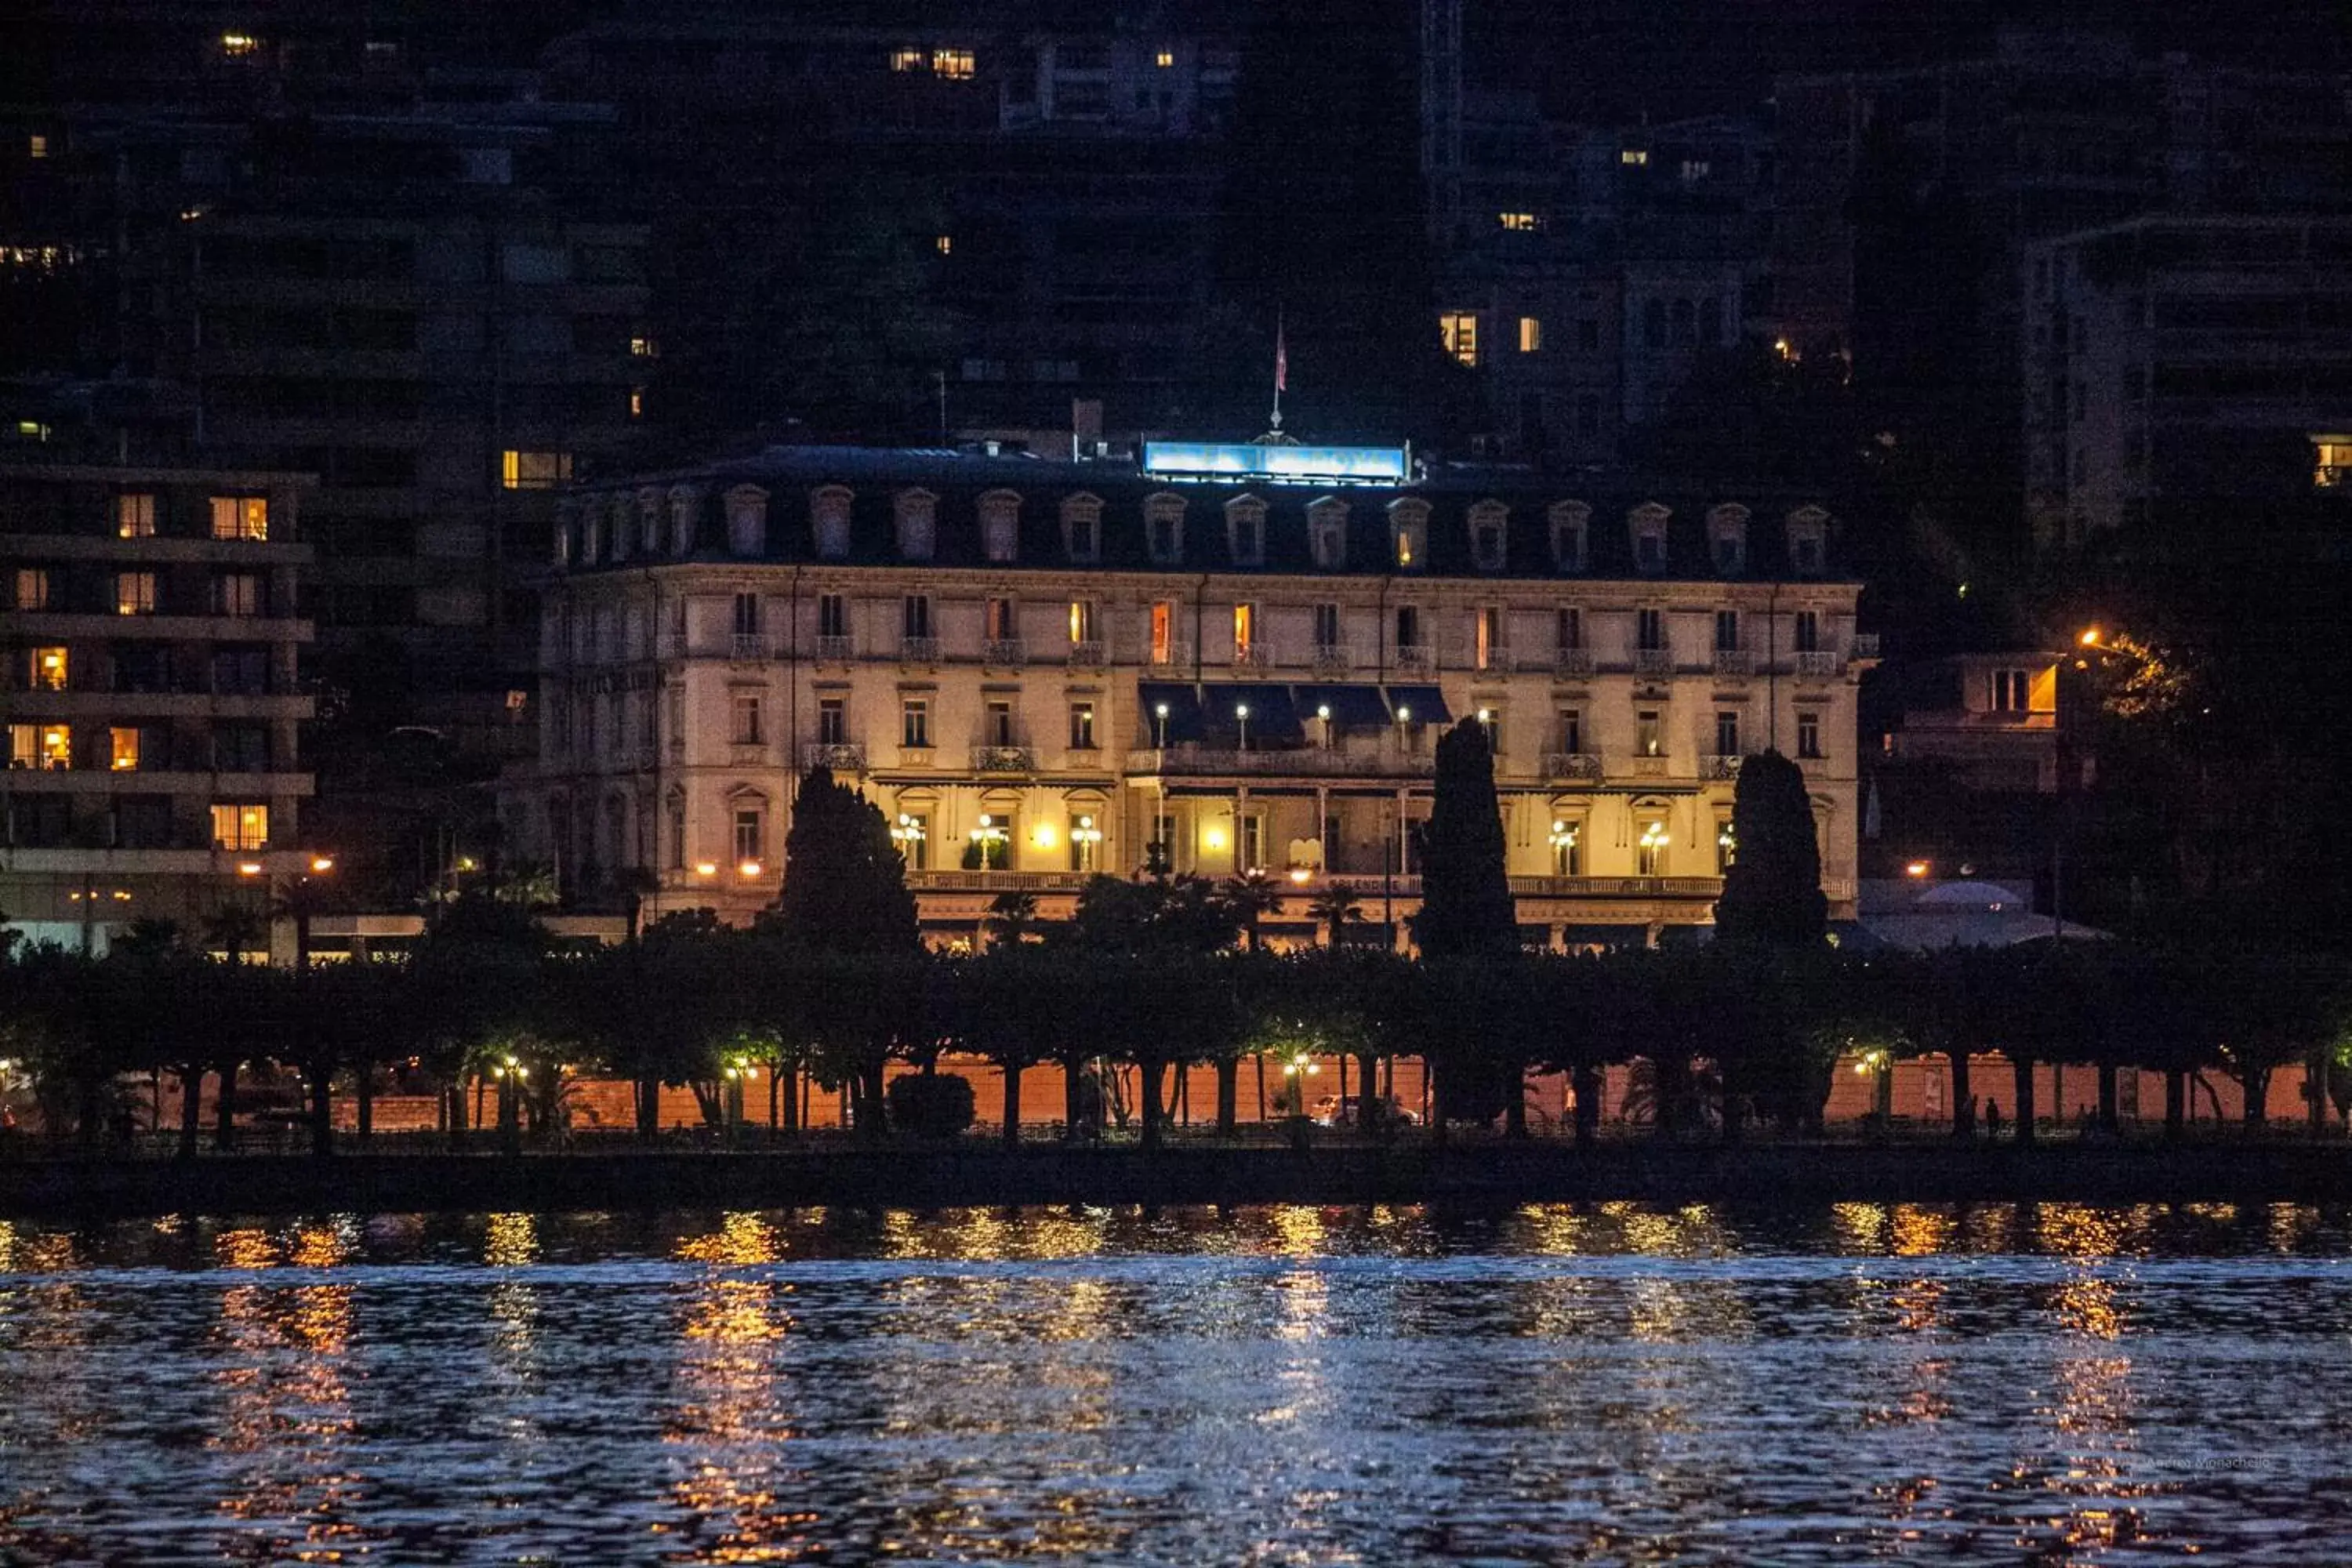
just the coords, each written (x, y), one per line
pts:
(1563, 846)
(1323, 713)
(1241, 717)
(908, 835)
(1160, 719)
(1084, 838)
(987, 835)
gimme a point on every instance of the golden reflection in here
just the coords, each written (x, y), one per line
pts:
(327, 1245)
(2291, 1226)
(282, 1352)
(741, 1240)
(1922, 1232)
(1919, 1305)
(1555, 1230)
(2087, 1305)
(1990, 1229)
(244, 1250)
(728, 1372)
(510, 1240)
(1298, 1230)
(1859, 1227)
(1303, 1305)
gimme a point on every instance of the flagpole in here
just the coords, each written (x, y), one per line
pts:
(1281, 365)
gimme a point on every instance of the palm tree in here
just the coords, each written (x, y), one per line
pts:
(1011, 917)
(1336, 908)
(233, 930)
(1250, 897)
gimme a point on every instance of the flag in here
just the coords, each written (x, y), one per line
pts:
(1281, 359)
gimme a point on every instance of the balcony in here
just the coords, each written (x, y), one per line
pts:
(1719, 767)
(1416, 659)
(1654, 661)
(1820, 664)
(1093, 653)
(918, 650)
(1332, 660)
(1384, 762)
(1649, 767)
(1004, 651)
(1734, 661)
(1254, 660)
(1865, 646)
(1003, 760)
(835, 649)
(1572, 664)
(749, 647)
(1494, 660)
(1571, 765)
(997, 881)
(1617, 887)
(834, 756)
(1170, 657)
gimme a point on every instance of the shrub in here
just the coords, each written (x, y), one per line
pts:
(930, 1105)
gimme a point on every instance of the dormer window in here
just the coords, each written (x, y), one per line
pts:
(1409, 535)
(1245, 531)
(1000, 527)
(916, 514)
(1808, 541)
(1727, 539)
(1488, 549)
(651, 512)
(685, 501)
(747, 521)
(1327, 533)
(1648, 525)
(592, 538)
(1163, 529)
(567, 524)
(829, 523)
(1082, 529)
(1570, 521)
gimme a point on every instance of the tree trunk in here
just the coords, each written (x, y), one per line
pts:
(191, 1113)
(2176, 1102)
(788, 1075)
(1514, 1084)
(1591, 1086)
(873, 1119)
(363, 1099)
(2022, 1069)
(1074, 1097)
(1371, 1114)
(321, 1083)
(453, 1096)
(2314, 1093)
(1151, 1070)
(224, 1110)
(648, 1109)
(2110, 1115)
(1229, 1095)
(2256, 1082)
(1013, 1105)
(1964, 1096)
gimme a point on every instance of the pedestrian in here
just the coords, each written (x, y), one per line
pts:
(1992, 1116)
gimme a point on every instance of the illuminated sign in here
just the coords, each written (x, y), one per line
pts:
(1247, 460)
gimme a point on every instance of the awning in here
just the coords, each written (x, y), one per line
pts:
(1352, 707)
(1272, 718)
(1183, 724)
(1426, 704)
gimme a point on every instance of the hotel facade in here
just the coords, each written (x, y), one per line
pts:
(1040, 669)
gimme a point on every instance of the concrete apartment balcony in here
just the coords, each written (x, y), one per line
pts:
(1820, 664)
(1654, 661)
(834, 756)
(1003, 760)
(1734, 661)
(226, 864)
(71, 705)
(1582, 765)
(835, 649)
(1004, 652)
(1311, 763)
(49, 626)
(155, 549)
(258, 785)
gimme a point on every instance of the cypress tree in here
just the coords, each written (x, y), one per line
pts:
(1465, 899)
(1772, 893)
(845, 881)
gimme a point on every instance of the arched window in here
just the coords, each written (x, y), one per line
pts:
(1808, 528)
(1571, 521)
(567, 525)
(916, 515)
(1726, 539)
(1646, 526)
(1245, 531)
(1163, 528)
(829, 522)
(1409, 535)
(1082, 529)
(747, 521)
(1489, 547)
(685, 503)
(1000, 527)
(652, 509)
(1327, 533)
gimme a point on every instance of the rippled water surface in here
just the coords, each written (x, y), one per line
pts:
(2041, 1384)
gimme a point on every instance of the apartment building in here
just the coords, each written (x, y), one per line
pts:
(148, 682)
(1039, 670)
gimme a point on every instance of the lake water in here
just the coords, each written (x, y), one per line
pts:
(2041, 1384)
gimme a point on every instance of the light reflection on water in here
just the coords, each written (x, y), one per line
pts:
(1614, 1381)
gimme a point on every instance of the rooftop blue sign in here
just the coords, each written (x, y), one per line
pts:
(1249, 460)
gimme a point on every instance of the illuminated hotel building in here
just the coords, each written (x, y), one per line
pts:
(1037, 669)
(148, 681)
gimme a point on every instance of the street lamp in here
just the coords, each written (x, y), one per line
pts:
(1563, 846)
(1160, 713)
(1653, 841)
(908, 835)
(1086, 836)
(1241, 717)
(988, 835)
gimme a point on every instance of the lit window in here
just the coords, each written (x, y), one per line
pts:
(1649, 733)
(1522, 223)
(1633, 157)
(55, 746)
(1530, 335)
(913, 836)
(38, 146)
(1408, 533)
(238, 593)
(240, 517)
(134, 593)
(1460, 331)
(124, 746)
(534, 470)
(1163, 631)
(944, 244)
(956, 64)
(1245, 629)
(47, 667)
(2333, 467)
(1650, 851)
(1082, 621)
(1082, 726)
(905, 60)
(1694, 170)
(240, 828)
(134, 517)
(1727, 848)
(644, 348)
(1164, 59)
(32, 588)
(24, 745)
(239, 44)
(636, 403)
(751, 838)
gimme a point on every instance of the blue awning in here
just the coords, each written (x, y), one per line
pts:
(1352, 707)
(1426, 704)
(1273, 718)
(1183, 724)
